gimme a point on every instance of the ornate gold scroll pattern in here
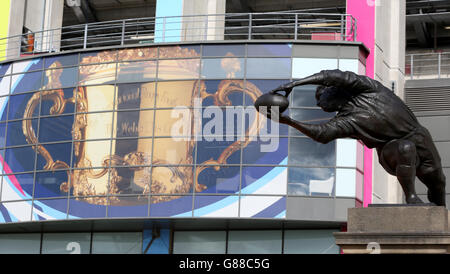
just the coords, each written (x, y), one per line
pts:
(226, 87)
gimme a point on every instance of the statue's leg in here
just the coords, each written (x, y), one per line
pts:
(435, 182)
(401, 156)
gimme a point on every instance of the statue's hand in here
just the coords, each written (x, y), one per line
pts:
(287, 88)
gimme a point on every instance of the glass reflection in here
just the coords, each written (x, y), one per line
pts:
(15, 132)
(61, 61)
(131, 72)
(27, 82)
(91, 154)
(225, 68)
(176, 93)
(134, 123)
(18, 105)
(20, 159)
(214, 150)
(172, 152)
(304, 96)
(46, 104)
(132, 152)
(134, 96)
(269, 50)
(219, 179)
(310, 116)
(264, 86)
(54, 129)
(2, 135)
(179, 52)
(258, 68)
(128, 206)
(171, 180)
(131, 181)
(310, 181)
(26, 182)
(48, 184)
(307, 152)
(266, 151)
(137, 54)
(302, 67)
(59, 152)
(67, 77)
(98, 57)
(216, 87)
(223, 50)
(95, 98)
(178, 69)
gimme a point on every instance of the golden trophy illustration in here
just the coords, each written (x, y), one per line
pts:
(94, 176)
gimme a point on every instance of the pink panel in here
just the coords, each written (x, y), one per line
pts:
(364, 13)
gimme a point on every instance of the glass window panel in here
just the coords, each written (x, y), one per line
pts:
(225, 68)
(98, 125)
(61, 61)
(346, 152)
(97, 74)
(97, 98)
(5, 69)
(216, 206)
(24, 243)
(310, 181)
(2, 135)
(263, 86)
(15, 134)
(132, 151)
(175, 93)
(266, 151)
(272, 50)
(66, 243)
(131, 72)
(20, 159)
(134, 123)
(178, 69)
(304, 96)
(219, 179)
(26, 82)
(253, 179)
(348, 65)
(48, 184)
(218, 122)
(117, 243)
(199, 242)
(310, 242)
(307, 152)
(53, 129)
(18, 106)
(223, 50)
(173, 122)
(310, 116)
(58, 78)
(87, 207)
(131, 181)
(268, 128)
(179, 52)
(137, 54)
(303, 67)
(5, 83)
(56, 208)
(207, 150)
(254, 242)
(218, 87)
(24, 179)
(172, 180)
(128, 206)
(268, 68)
(27, 65)
(98, 57)
(346, 182)
(59, 152)
(47, 104)
(134, 96)
(96, 153)
(167, 206)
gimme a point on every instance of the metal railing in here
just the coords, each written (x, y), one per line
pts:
(427, 65)
(232, 26)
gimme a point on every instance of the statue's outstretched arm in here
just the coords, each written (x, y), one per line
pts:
(348, 80)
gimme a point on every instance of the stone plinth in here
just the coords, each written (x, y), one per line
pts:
(396, 229)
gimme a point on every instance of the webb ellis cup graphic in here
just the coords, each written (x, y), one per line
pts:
(163, 168)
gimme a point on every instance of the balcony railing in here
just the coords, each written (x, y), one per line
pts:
(427, 65)
(232, 26)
